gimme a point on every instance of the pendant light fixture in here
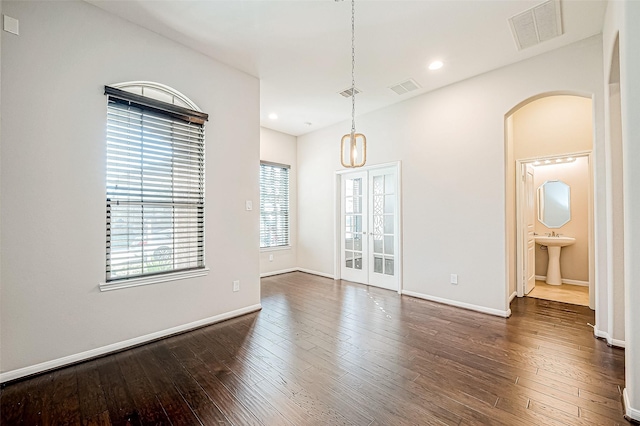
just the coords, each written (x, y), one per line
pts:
(353, 146)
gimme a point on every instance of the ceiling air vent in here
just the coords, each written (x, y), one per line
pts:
(347, 92)
(405, 86)
(540, 23)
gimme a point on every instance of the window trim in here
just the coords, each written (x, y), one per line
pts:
(153, 279)
(145, 102)
(274, 164)
(278, 248)
(175, 112)
(288, 245)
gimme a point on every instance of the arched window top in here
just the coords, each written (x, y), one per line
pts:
(158, 92)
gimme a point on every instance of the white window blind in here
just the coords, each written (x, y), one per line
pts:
(274, 205)
(155, 187)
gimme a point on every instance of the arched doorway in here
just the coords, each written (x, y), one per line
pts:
(553, 133)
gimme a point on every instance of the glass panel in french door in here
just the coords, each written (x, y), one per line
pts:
(383, 217)
(353, 220)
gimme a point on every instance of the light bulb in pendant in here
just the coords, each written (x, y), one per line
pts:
(354, 149)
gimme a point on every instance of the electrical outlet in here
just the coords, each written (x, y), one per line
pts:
(270, 258)
(454, 278)
(236, 285)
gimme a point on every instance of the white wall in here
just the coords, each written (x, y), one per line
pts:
(614, 331)
(53, 183)
(452, 146)
(281, 148)
(622, 19)
(1, 36)
(510, 207)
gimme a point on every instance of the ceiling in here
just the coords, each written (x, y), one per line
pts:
(301, 49)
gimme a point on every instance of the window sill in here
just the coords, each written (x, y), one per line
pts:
(135, 282)
(279, 248)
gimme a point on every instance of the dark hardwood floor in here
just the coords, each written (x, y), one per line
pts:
(335, 353)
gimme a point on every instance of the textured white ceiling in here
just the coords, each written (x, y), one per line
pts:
(301, 49)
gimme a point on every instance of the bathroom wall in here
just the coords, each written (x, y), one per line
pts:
(574, 259)
(281, 148)
(553, 125)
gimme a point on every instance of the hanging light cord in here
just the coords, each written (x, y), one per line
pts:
(353, 67)
(350, 150)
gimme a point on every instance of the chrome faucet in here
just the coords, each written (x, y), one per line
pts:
(553, 234)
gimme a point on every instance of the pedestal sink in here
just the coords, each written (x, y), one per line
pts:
(554, 245)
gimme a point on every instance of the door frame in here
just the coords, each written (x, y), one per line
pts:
(520, 219)
(337, 208)
(527, 267)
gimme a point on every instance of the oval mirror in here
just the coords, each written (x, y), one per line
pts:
(554, 203)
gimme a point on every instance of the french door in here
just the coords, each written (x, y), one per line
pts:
(369, 227)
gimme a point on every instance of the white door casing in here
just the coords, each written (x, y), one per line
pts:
(529, 230)
(369, 227)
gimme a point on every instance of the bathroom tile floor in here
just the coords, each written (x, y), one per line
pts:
(567, 293)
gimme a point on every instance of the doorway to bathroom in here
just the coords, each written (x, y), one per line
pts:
(550, 244)
(554, 228)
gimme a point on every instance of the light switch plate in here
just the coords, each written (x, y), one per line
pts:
(10, 25)
(454, 278)
(248, 205)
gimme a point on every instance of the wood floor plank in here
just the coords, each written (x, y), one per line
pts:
(35, 389)
(148, 407)
(91, 396)
(232, 408)
(196, 398)
(121, 407)
(170, 399)
(12, 400)
(62, 404)
(325, 352)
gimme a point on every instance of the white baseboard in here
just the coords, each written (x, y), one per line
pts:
(617, 343)
(611, 342)
(114, 347)
(575, 282)
(282, 271)
(565, 281)
(321, 274)
(630, 413)
(513, 296)
(477, 308)
(306, 271)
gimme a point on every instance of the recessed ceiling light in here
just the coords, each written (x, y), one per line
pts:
(559, 160)
(547, 161)
(536, 163)
(435, 65)
(273, 116)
